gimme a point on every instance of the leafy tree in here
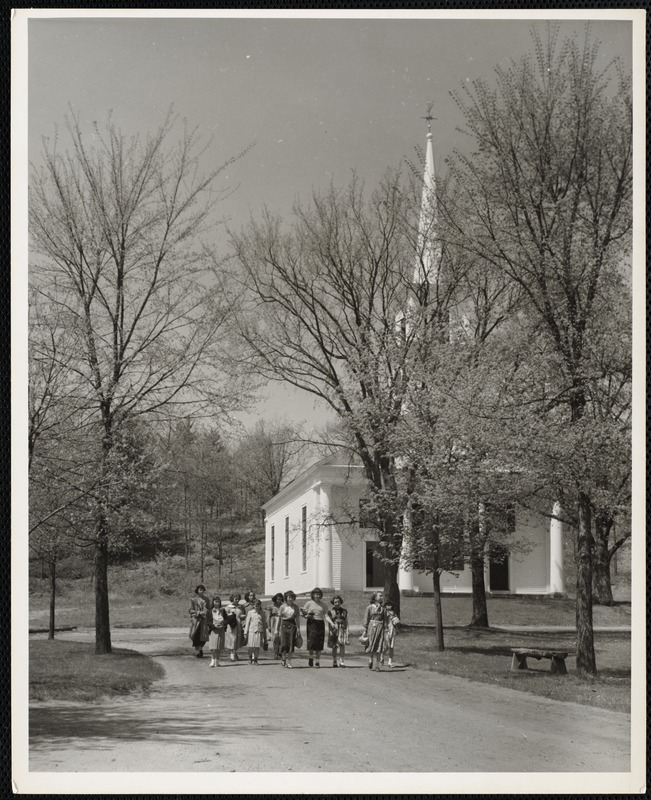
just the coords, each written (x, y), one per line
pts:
(464, 456)
(609, 404)
(548, 190)
(116, 229)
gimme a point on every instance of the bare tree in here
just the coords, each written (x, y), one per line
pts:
(267, 457)
(57, 486)
(116, 226)
(548, 187)
(330, 302)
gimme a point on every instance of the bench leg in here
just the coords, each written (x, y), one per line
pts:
(518, 662)
(558, 666)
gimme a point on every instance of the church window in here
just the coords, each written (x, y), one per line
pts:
(304, 537)
(286, 546)
(273, 551)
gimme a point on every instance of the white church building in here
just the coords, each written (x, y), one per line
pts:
(313, 537)
(314, 527)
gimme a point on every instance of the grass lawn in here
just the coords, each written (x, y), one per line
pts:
(61, 670)
(130, 609)
(485, 656)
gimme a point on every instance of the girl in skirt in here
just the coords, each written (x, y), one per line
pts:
(375, 621)
(290, 628)
(390, 636)
(234, 636)
(273, 620)
(337, 619)
(315, 610)
(255, 630)
(199, 628)
(217, 630)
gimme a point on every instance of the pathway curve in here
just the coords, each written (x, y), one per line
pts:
(242, 718)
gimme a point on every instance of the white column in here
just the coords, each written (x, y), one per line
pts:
(325, 540)
(405, 579)
(405, 575)
(556, 584)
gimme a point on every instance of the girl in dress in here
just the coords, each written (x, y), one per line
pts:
(199, 630)
(218, 627)
(337, 620)
(255, 630)
(315, 610)
(390, 635)
(290, 628)
(234, 636)
(375, 621)
(273, 620)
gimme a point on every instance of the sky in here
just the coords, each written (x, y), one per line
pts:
(318, 97)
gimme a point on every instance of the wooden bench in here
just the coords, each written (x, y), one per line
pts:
(557, 658)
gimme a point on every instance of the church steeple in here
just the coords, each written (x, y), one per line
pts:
(427, 259)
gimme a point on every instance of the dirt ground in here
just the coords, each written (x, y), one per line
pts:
(242, 718)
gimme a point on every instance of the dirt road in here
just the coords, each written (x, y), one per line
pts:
(242, 718)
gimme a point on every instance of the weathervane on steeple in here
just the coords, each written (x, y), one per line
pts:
(428, 116)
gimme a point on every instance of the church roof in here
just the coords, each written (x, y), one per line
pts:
(338, 465)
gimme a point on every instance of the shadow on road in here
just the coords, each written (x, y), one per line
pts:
(58, 725)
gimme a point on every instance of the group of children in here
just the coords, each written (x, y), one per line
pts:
(244, 622)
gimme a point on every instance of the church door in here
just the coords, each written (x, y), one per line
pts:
(374, 567)
(498, 568)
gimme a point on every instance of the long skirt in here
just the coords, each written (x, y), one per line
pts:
(288, 631)
(216, 639)
(234, 637)
(375, 635)
(315, 634)
(199, 631)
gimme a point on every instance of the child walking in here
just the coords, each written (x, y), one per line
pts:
(390, 636)
(217, 630)
(255, 630)
(337, 619)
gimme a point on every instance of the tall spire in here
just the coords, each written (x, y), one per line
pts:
(427, 258)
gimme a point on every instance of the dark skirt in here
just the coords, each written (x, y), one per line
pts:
(199, 632)
(288, 631)
(315, 634)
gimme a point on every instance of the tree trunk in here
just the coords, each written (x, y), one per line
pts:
(53, 584)
(220, 555)
(202, 548)
(391, 534)
(438, 610)
(391, 590)
(392, 540)
(602, 592)
(585, 655)
(186, 527)
(102, 624)
(477, 564)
